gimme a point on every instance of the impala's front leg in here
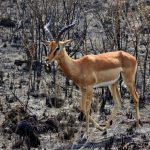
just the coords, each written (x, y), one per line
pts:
(88, 106)
(85, 105)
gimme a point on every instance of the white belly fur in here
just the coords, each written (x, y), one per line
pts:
(108, 83)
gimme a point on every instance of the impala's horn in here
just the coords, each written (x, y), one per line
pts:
(47, 30)
(67, 27)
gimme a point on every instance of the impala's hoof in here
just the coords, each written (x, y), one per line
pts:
(81, 117)
(140, 123)
(83, 138)
(108, 124)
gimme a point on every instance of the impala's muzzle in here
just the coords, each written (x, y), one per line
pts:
(47, 60)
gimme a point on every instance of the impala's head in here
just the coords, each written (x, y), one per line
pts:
(56, 49)
(56, 46)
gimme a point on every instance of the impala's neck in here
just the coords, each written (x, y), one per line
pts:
(67, 64)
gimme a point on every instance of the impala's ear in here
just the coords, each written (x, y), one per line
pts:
(67, 42)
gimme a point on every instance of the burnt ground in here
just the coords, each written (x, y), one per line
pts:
(59, 128)
(44, 118)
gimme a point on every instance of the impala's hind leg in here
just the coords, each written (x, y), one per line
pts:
(129, 79)
(117, 104)
(135, 96)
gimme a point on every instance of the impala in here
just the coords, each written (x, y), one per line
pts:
(92, 71)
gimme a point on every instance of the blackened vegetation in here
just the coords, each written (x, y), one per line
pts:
(54, 102)
(103, 26)
(67, 133)
(24, 129)
(20, 62)
(29, 128)
(142, 100)
(19, 121)
(122, 142)
(67, 125)
(7, 22)
(1, 78)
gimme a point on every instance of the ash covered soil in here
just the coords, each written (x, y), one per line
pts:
(60, 128)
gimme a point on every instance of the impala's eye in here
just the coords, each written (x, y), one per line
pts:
(57, 48)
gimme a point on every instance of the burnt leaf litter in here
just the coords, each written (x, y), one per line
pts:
(35, 114)
(21, 124)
